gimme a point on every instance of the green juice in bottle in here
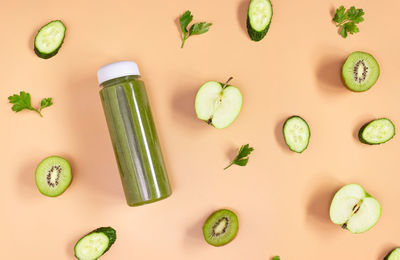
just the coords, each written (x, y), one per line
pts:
(133, 134)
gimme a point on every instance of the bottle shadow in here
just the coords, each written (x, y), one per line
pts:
(242, 15)
(95, 165)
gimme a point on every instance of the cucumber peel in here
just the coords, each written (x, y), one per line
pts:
(95, 244)
(49, 39)
(259, 18)
(377, 131)
(296, 133)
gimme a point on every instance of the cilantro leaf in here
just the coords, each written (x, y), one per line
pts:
(195, 29)
(276, 258)
(243, 156)
(347, 20)
(23, 101)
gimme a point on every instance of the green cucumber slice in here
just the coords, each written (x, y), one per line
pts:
(49, 39)
(377, 131)
(259, 18)
(297, 134)
(95, 244)
(393, 255)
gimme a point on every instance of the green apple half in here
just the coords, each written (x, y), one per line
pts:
(354, 209)
(218, 104)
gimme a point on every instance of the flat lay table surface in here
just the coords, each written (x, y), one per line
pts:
(281, 198)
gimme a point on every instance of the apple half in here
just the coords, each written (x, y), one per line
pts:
(354, 209)
(218, 104)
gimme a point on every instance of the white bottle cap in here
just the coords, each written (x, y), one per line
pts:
(116, 70)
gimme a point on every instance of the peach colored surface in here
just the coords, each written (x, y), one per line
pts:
(281, 198)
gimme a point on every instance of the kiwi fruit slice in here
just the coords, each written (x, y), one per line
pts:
(221, 227)
(53, 176)
(360, 71)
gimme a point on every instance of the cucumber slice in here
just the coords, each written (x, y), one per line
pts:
(393, 255)
(49, 39)
(297, 134)
(258, 19)
(377, 131)
(95, 244)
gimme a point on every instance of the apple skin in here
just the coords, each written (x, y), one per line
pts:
(222, 89)
(361, 196)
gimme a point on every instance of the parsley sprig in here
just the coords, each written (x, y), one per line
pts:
(195, 29)
(243, 156)
(23, 101)
(347, 20)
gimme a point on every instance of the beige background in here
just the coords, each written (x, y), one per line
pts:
(281, 198)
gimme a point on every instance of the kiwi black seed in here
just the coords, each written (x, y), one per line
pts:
(53, 176)
(221, 227)
(360, 71)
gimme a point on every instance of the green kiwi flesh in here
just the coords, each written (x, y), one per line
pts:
(221, 227)
(360, 71)
(53, 176)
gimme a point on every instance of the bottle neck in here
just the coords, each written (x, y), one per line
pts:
(119, 80)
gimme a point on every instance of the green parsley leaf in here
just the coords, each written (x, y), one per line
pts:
(276, 258)
(23, 101)
(340, 15)
(243, 156)
(347, 20)
(184, 21)
(46, 102)
(195, 29)
(199, 28)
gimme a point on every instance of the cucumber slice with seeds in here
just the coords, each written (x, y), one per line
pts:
(259, 18)
(377, 131)
(393, 255)
(297, 134)
(95, 244)
(49, 39)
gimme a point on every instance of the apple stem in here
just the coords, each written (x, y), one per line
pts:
(209, 121)
(226, 83)
(344, 226)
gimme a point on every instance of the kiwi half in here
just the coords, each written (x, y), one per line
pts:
(221, 227)
(360, 71)
(53, 176)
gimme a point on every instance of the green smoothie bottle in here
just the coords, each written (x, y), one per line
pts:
(133, 134)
